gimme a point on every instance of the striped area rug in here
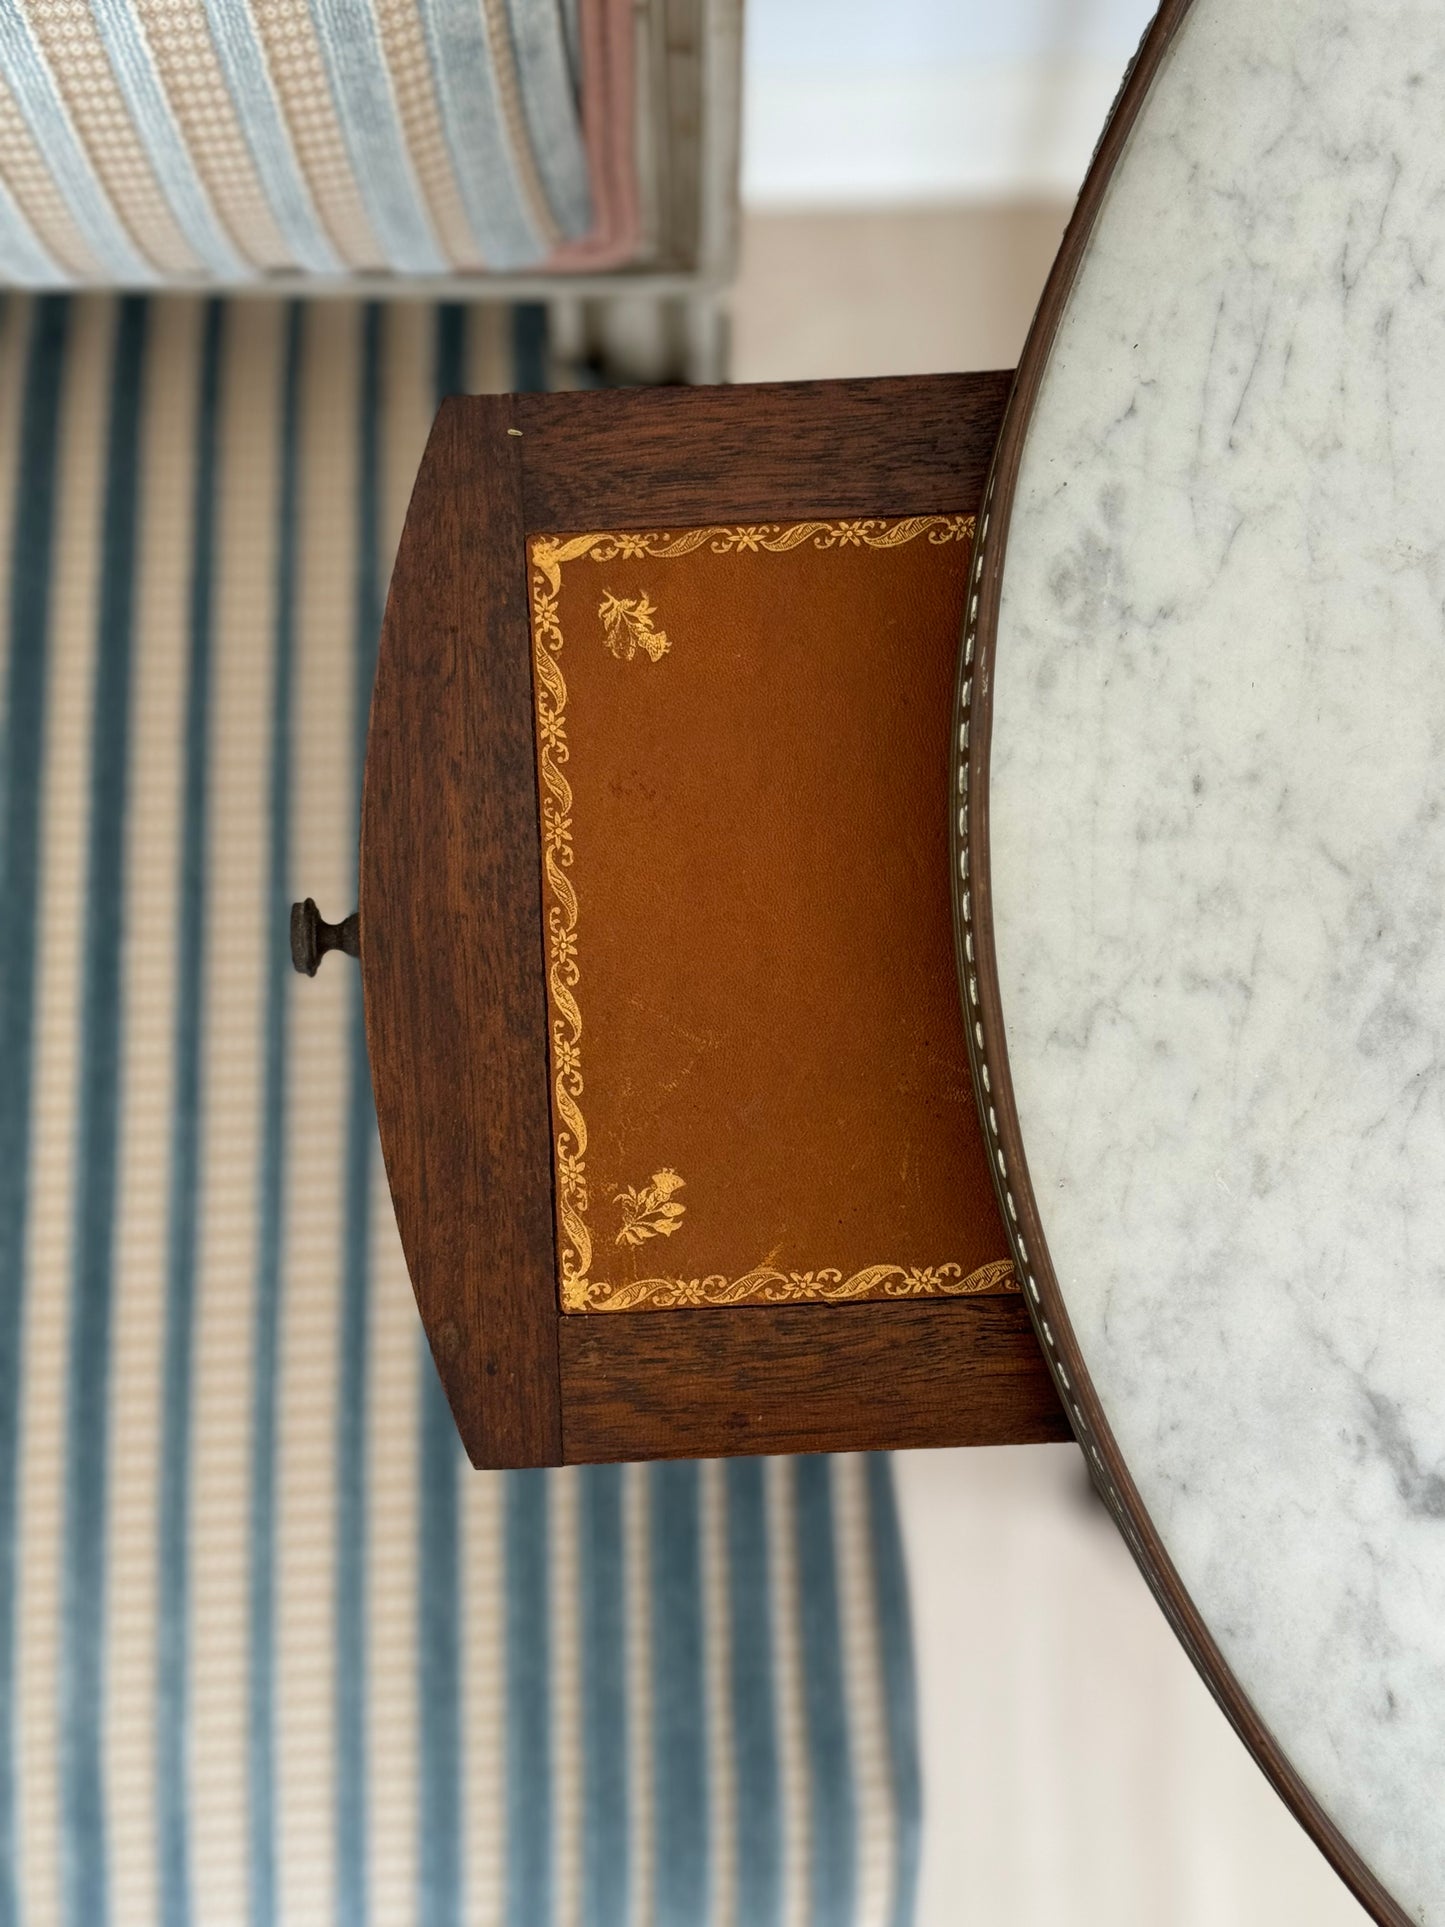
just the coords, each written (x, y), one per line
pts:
(269, 1652)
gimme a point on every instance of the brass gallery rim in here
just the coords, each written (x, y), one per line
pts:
(652, 1210)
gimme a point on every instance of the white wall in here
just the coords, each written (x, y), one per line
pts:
(869, 102)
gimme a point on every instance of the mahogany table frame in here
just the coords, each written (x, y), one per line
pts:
(451, 952)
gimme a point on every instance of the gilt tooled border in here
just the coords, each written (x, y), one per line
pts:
(764, 1284)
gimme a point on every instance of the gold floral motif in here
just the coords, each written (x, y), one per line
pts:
(651, 1210)
(570, 1136)
(549, 552)
(765, 1285)
(627, 627)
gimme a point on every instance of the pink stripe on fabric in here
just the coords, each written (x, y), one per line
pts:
(609, 110)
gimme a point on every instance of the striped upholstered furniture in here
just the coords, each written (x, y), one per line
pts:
(268, 1651)
(577, 147)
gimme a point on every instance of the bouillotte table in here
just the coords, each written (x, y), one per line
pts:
(1195, 789)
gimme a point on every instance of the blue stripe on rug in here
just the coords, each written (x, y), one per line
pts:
(439, 1680)
(28, 75)
(361, 90)
(529, 1701)
(529, 348)
(172, 162)
(679, 1697)
(173, 1625)
(900, 1697)
(261, 1708)
(470, 105)
(351, 1419)
(31, 555)
(82, 1667)
(605, 1870)
(243, 64)
(752, 1690)
(549, 104)
(831, 1831)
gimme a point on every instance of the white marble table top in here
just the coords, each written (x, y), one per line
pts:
(1218, 868)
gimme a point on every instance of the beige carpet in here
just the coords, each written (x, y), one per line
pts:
(885, 292)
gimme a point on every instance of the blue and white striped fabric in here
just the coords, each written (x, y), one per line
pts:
(145, 142)
(269, 1652)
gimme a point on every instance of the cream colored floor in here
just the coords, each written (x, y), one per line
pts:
(1077, 1773)
(888, 292)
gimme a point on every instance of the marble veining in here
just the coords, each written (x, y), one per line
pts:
(1218, 851)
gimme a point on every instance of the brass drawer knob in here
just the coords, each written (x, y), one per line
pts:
(312, 936)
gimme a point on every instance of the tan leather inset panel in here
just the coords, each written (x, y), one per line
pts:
(759, 1081)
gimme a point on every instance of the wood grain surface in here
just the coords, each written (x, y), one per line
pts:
(451, 939)
(850, 1378)
(676, 457)
(452, 958)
